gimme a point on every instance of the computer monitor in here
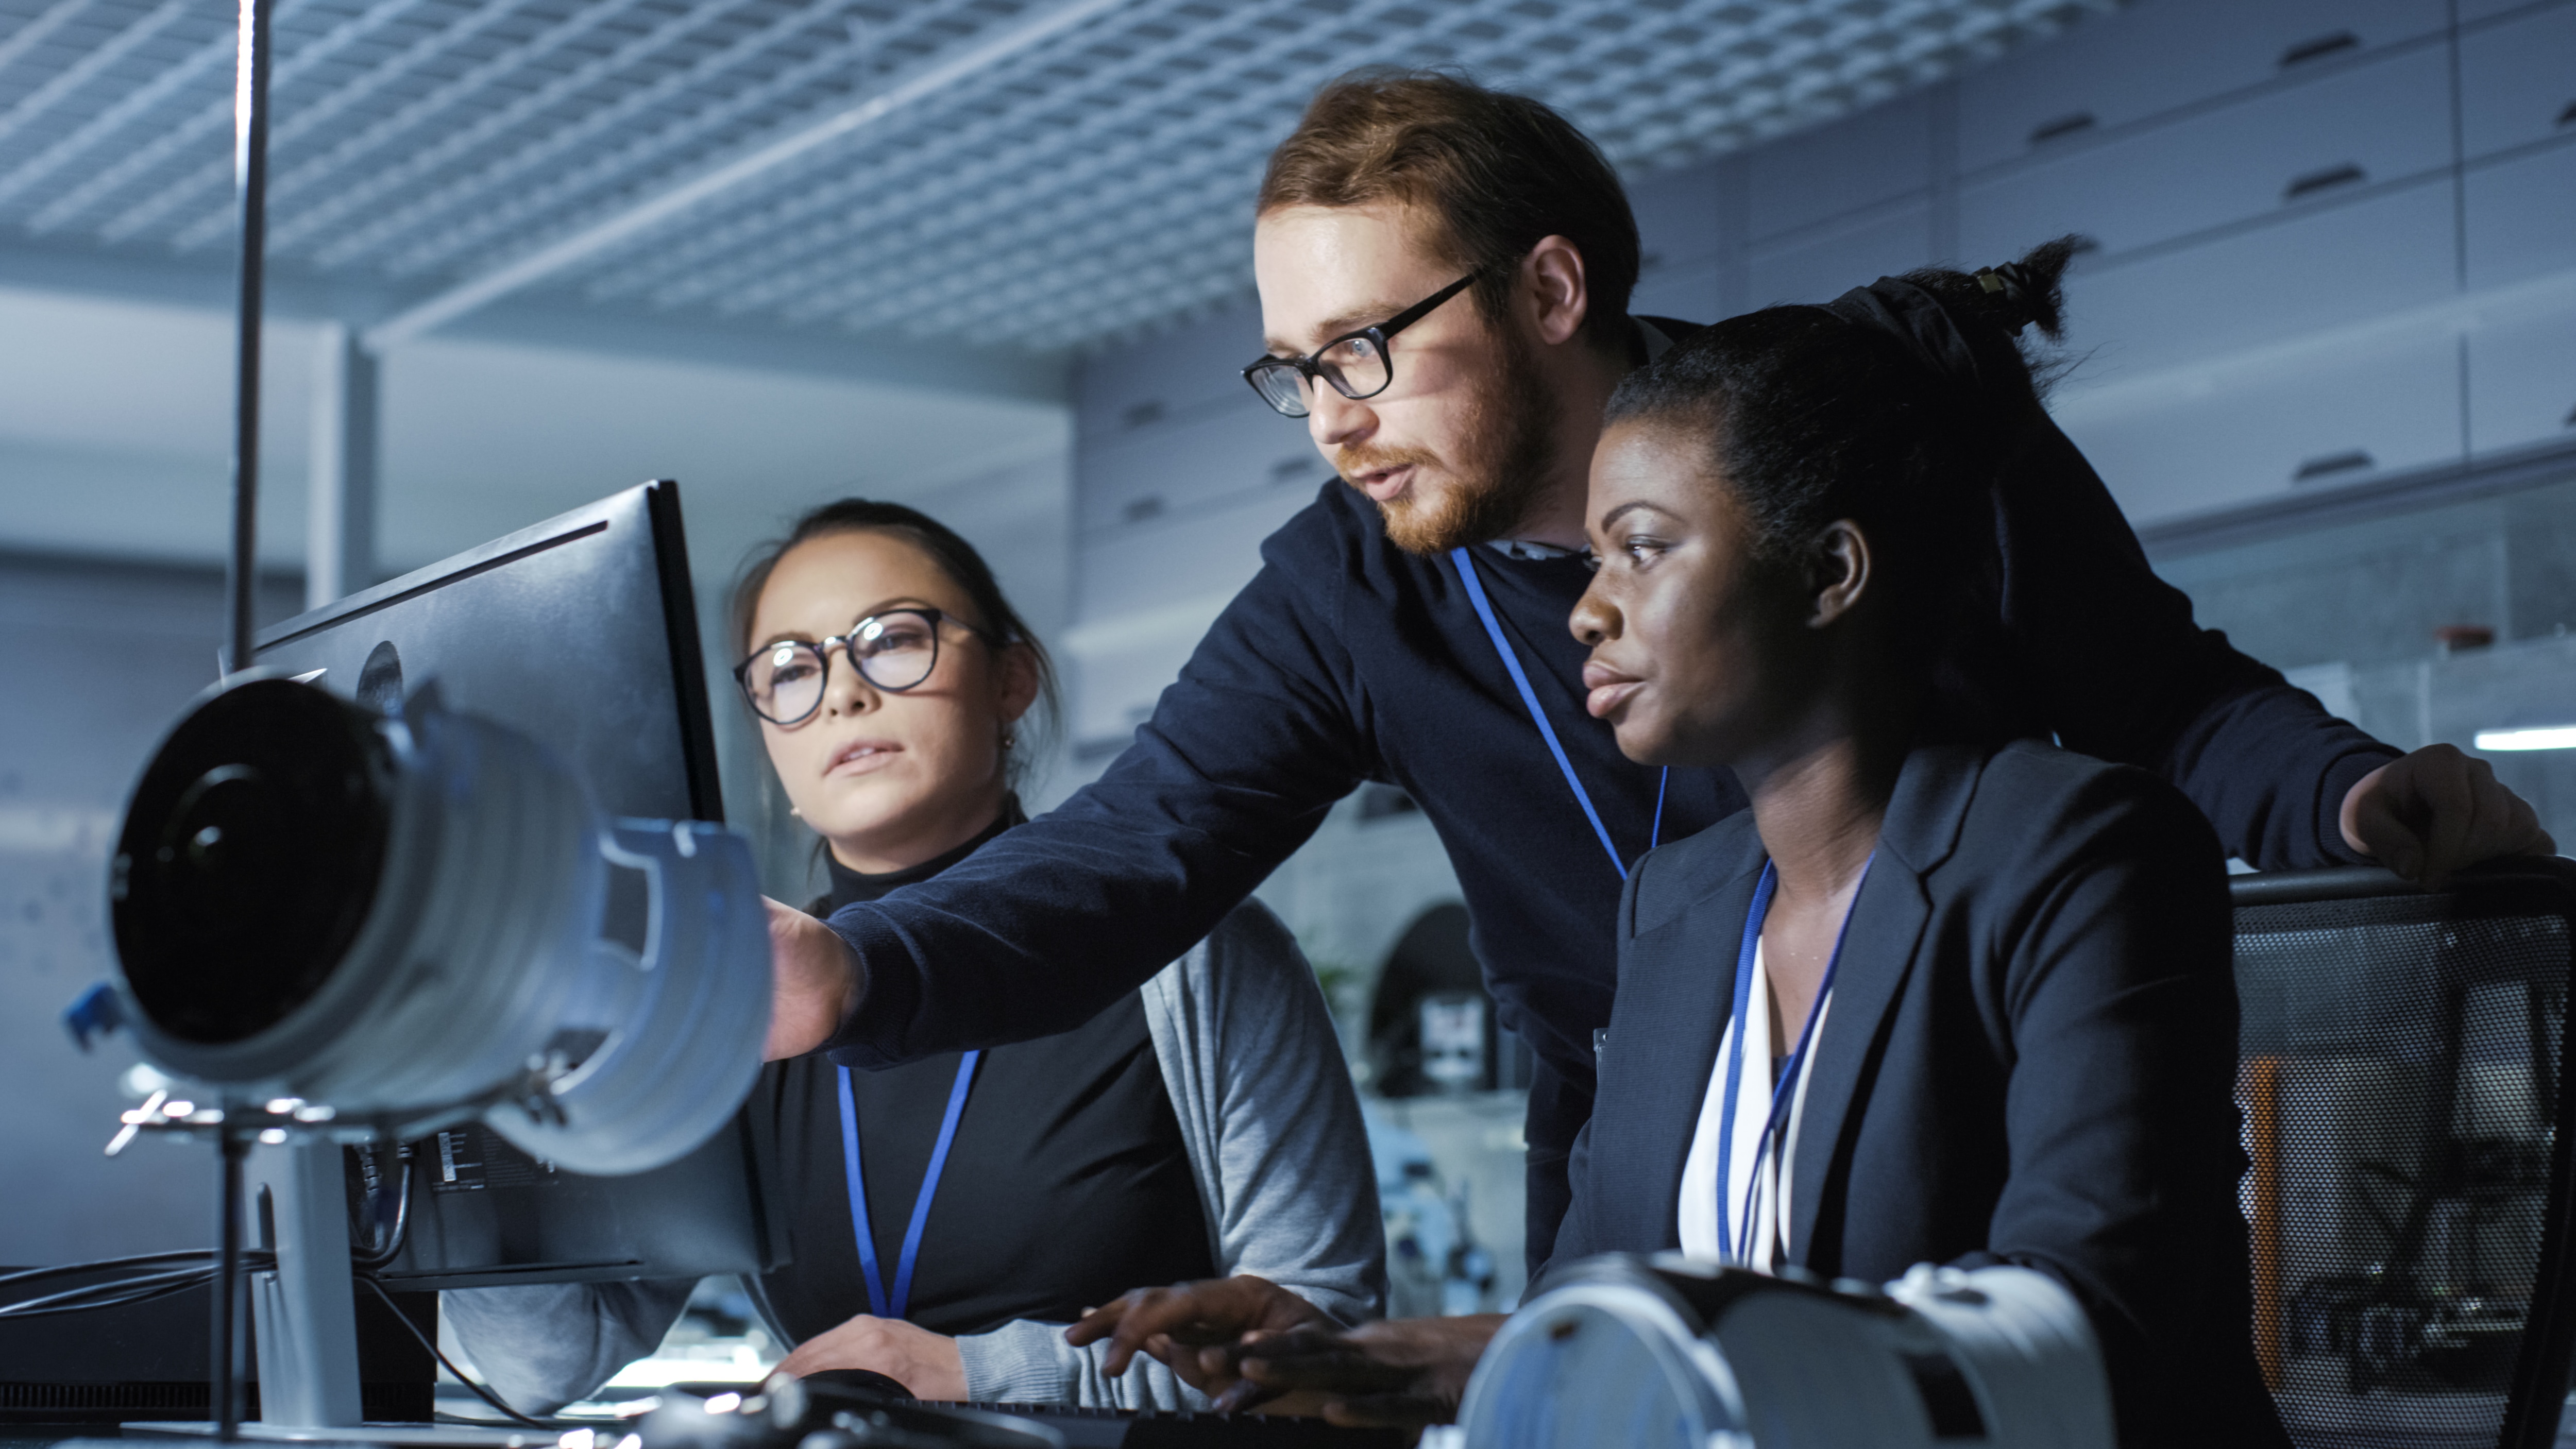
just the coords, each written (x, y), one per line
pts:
(582, 633)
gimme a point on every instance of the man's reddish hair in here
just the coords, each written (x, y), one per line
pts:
(1496, 172)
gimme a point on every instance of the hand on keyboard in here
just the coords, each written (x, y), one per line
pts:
(927, 1364)
(1173, 1323)
(1246, 1341)
(1402, 1372)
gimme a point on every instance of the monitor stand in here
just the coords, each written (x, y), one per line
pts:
(308, 1325)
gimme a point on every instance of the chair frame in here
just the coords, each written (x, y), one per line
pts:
(2537, 1390)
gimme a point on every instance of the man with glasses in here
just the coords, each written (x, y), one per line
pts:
(1444, 275)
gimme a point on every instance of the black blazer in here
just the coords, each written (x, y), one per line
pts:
(2030, 1060)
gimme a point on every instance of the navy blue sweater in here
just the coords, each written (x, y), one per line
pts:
(1347, 660)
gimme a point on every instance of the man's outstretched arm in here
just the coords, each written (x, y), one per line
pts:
(1054, 920)
(2127, 674)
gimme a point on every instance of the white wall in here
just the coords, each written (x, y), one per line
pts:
(100, 659)
(116, 437)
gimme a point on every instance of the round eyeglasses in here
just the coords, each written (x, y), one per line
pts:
(1355, 363)
(894, 651)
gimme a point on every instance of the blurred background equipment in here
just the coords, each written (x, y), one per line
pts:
(1437, 1261)
(1431, 1027)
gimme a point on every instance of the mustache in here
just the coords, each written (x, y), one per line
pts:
(1356, 462)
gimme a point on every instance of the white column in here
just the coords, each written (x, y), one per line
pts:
(340, 537)
(306, 1311)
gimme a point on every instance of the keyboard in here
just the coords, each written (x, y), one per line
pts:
(1154, 1429)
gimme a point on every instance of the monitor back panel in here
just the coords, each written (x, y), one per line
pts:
(582, 633)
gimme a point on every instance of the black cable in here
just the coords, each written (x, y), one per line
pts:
(258, 1259)
(427, 1342)
(116, 1287)
(380, 1257)
(109, 1295)
(144, 1287)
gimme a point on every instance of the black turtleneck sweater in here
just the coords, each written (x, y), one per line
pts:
(1067, 1184)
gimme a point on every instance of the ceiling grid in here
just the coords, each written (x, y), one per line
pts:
(1069, 194)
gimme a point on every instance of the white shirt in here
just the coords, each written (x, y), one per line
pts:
(1771, 1192)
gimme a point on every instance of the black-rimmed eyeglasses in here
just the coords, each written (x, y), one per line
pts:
(894, 651)
(1355, 363)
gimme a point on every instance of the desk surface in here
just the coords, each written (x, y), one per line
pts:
(44, 1436)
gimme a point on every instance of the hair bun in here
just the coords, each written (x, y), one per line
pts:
(2016, 294)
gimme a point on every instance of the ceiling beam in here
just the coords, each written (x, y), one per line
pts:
(1031, 30)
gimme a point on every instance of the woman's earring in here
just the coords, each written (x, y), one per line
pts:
(1009, 738)
(792, 810)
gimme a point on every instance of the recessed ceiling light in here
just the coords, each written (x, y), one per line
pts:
(2554, 737)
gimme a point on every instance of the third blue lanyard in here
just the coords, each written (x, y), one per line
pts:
(1466, 562)
(1734, 1237)
(880, 1302)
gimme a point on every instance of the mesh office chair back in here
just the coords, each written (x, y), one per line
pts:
(2405, 1103)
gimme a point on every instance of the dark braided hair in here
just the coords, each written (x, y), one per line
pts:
(995, 619)
(1812, 414)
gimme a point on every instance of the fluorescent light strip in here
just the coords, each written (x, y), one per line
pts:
(2556, 737)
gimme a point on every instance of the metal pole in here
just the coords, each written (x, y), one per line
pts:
(250, 184)
(227, 1378)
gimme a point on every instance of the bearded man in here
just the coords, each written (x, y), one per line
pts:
(1444, 274)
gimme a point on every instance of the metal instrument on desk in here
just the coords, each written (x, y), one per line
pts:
(1663, 1351)
(340, 926)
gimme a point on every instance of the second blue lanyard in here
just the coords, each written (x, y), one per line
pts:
(880, 1302)
(1735, 1238)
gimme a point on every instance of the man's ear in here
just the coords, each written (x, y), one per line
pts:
(1552, 289)
(1838, 572)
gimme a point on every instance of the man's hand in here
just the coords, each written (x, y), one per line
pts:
(1404, 1372)
(927, 1364)
(2432, 812)
(814, 983)
(1171, 1323)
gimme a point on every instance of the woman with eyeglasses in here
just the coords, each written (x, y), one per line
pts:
(948, 1216)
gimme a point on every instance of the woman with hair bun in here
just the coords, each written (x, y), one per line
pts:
(1992, 978)
(946, 1216)
(1946, 993)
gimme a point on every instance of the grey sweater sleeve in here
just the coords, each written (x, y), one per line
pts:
(1273, 1131)
(543, 1346)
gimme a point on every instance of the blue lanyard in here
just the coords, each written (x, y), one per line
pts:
(1529, 698)
(1784, 1091)
(878, 1303)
